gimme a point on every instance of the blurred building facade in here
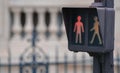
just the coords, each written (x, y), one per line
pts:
(18, 19)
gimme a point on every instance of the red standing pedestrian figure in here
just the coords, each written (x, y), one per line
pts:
(78, 29)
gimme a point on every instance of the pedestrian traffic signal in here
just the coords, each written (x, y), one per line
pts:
(89, 29)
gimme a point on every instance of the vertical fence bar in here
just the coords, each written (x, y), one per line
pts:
(21, 65)
(66, 64)
(118, 61)
(47, 64)
(57, 57)
(91, 65)
(0, 66)
(83, 63)
(75, 63)
(9, 61)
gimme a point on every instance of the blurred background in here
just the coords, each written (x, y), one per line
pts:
(48, 52)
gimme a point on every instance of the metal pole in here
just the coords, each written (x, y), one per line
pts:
(109, 3)
(103, 63)
(106, 3)
(109, 63)
(96, 66)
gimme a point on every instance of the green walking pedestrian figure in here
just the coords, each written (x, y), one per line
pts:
(96, 31)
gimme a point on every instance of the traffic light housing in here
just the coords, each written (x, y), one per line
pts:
(89, 29)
